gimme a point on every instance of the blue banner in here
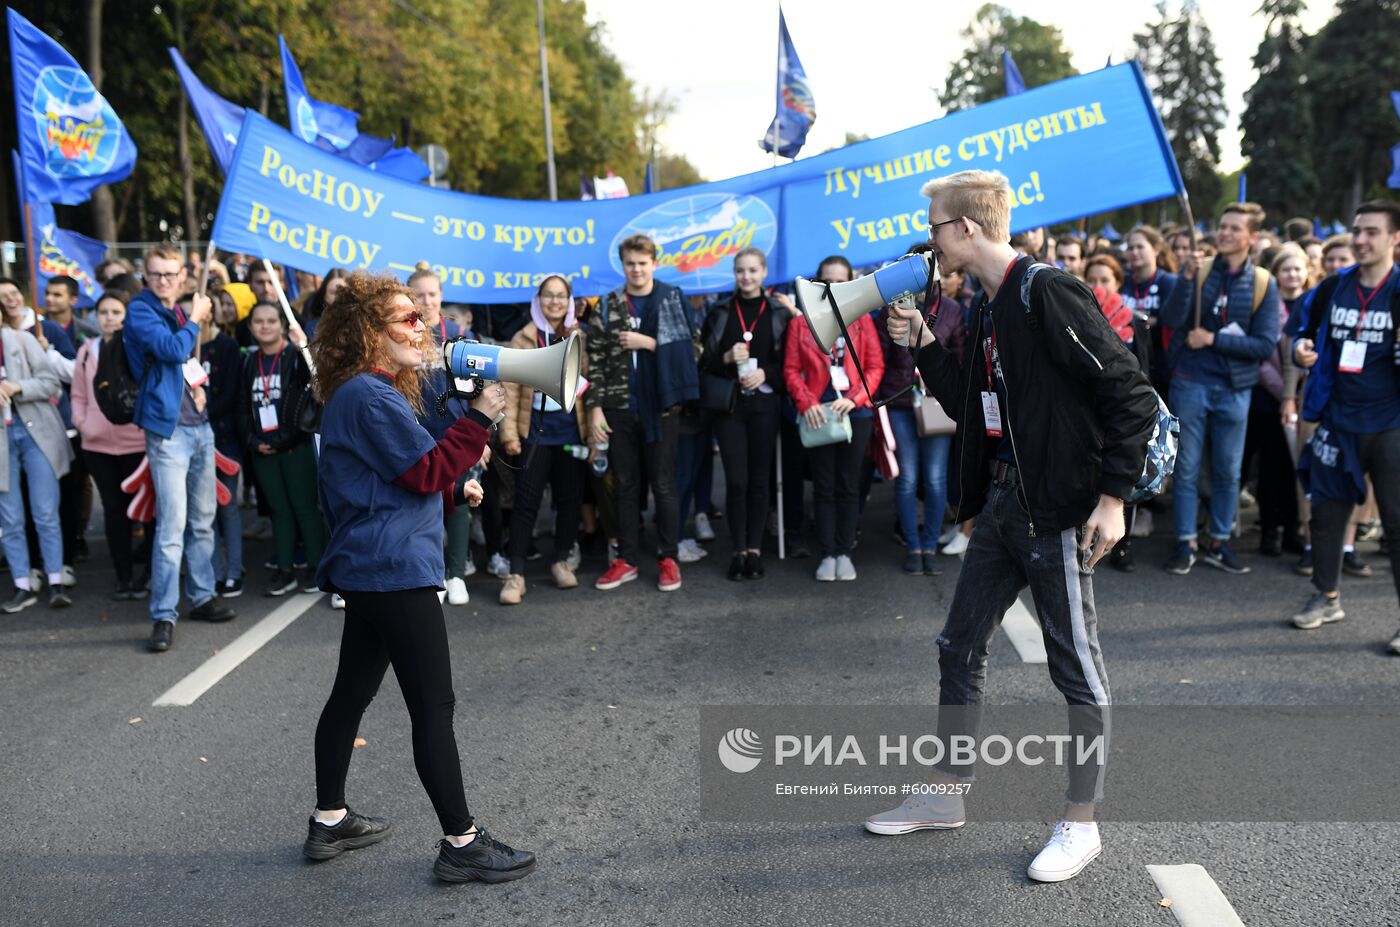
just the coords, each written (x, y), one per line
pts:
(70, 140)
(220, 119)
(796, 111)
(64, 253)
(1084, 145)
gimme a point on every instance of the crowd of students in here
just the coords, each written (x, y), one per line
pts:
(1243, 333)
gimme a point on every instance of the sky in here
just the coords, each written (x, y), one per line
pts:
(873, 66)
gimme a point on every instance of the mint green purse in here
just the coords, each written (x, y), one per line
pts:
(836, 430)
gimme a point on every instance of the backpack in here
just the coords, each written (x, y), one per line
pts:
(1166, 428)
(113, 386)
(1261, 289)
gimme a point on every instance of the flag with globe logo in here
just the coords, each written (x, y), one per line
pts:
(70, 139)
(796, 110)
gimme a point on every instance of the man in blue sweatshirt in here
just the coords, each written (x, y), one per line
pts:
(1345, 334)
(1225, 322)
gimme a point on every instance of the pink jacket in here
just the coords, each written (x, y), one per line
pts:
(99, 434)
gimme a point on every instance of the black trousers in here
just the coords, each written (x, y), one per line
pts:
(628, 453)
(1278, 481)
(70, 501)
(747, 437)
(794, 473)
(564, 475)
(1380, 458)
(836, 488)
(108, 471)
(404, 628)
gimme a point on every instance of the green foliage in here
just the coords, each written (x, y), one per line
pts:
(1277, 120)
(1182, 69)
(978, 77)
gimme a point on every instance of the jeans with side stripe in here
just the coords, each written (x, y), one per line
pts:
(1002, 559)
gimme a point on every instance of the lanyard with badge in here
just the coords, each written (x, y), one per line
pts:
(839, 380)
(193, 369)
(752, 363)
(1140, 295)
(635, 321)
(991, 407)
(267, 412)
(1354, 349)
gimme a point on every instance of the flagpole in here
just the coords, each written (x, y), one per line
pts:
(287, 311)
(31, 254)
(544, 85)
(778, 93)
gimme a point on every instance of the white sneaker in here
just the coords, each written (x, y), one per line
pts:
(956, 546)
(1142, 524)
(470, 568)
(499, 566)
(689, 552)
(457, 592)
(37, 579)
(575, 557)
(845, 569)
(70, 579)
(826, 570)
(442, 595)
(1072, 847)
(337, 602)
(948, 535)
(919, 812)
(703, 531)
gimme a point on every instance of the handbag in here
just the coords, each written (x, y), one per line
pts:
(717, 393)
(883, 446)
(836, 430)
(930, 419)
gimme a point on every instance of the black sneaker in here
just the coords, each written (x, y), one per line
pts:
(58, 597)
(308, 583)
(326, 841)
(485, 859)
(753, 566)
(1183, 560)
(736, 567)
(1271, 542)
(914, 563)
(1353, 565)
(1121, 557)
(162, 633)
(211, 611)
(123, 591)
(281, 583)
(81, 551)
(23, 598)
(1223, 558)
(931, 565)
(1304, 566)
(231, 588)
(796, 546)
(141, 585)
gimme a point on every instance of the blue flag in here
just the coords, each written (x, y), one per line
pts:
(1394, 180)
(1395, 100)
(64, 253)
(1243, 185)
(323, 124)
(649, 182)
(220, 119)
(70, 139)
(402, 163)
(796, 111)
(1014, 84)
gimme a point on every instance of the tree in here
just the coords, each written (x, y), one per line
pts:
(1352, 68)
(1277, 120)
(977, 77)
(1179, 60)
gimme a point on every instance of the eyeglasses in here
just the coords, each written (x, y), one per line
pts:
(934, 226)
(151, 275)
(554, 297)
(410, 321)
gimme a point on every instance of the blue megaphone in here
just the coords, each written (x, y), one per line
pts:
(553, 371)
(907, 276)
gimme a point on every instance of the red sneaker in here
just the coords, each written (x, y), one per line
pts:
(669, 578)
(618, 572)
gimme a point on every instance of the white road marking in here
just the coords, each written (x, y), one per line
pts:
(1196, 900)
(244, 646)
(1024, 633)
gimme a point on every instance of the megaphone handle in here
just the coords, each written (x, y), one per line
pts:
(855, 355)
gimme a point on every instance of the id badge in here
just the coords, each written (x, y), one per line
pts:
(545, 403)
(194, 373)
(991, 413)
(839, 381)
(1353, 357)
(267, 417)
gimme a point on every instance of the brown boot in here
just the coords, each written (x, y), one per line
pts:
(564, 577)
(513, 590)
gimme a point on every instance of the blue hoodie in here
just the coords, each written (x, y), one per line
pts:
(153, 331)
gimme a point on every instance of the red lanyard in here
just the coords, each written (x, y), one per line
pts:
(1366, 300)
(266, 375)
(180, 316)
(542, 338)
(1140, 295)
(743, 323)
(442, 327)
(838, 352)
(1230, 277)
(990, 344)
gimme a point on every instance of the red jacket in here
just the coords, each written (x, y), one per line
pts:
(806, 370)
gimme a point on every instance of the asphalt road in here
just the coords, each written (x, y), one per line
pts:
(577, 720)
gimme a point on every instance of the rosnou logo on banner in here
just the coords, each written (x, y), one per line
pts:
(740, 750)
(73, 121)
(697, 235)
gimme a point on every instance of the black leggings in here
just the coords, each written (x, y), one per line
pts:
(404, 628)
(747, 437)
(108, 471)
(564, 474)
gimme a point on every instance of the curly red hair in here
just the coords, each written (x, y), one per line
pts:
(347, 344)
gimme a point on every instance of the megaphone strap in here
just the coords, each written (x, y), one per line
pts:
(854, 354)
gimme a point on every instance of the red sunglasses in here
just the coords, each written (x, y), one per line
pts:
(411, 320)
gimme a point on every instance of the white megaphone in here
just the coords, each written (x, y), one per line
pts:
(553, 371)
(907, 276)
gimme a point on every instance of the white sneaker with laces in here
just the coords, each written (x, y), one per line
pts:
(826, 570)
(337, 602)
(919, 812)
(1071, 847)
(457, 592)
(470, 569)
(947, 536)
(703, 531)
(845, 569)
(956, 546)
(499, 566)
(575, 557)
(689, 552)
(70, 578)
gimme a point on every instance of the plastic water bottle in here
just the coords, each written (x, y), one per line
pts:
(600, 459)
(576, 451)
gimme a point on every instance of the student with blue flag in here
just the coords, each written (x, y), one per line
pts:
(1346, 337)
